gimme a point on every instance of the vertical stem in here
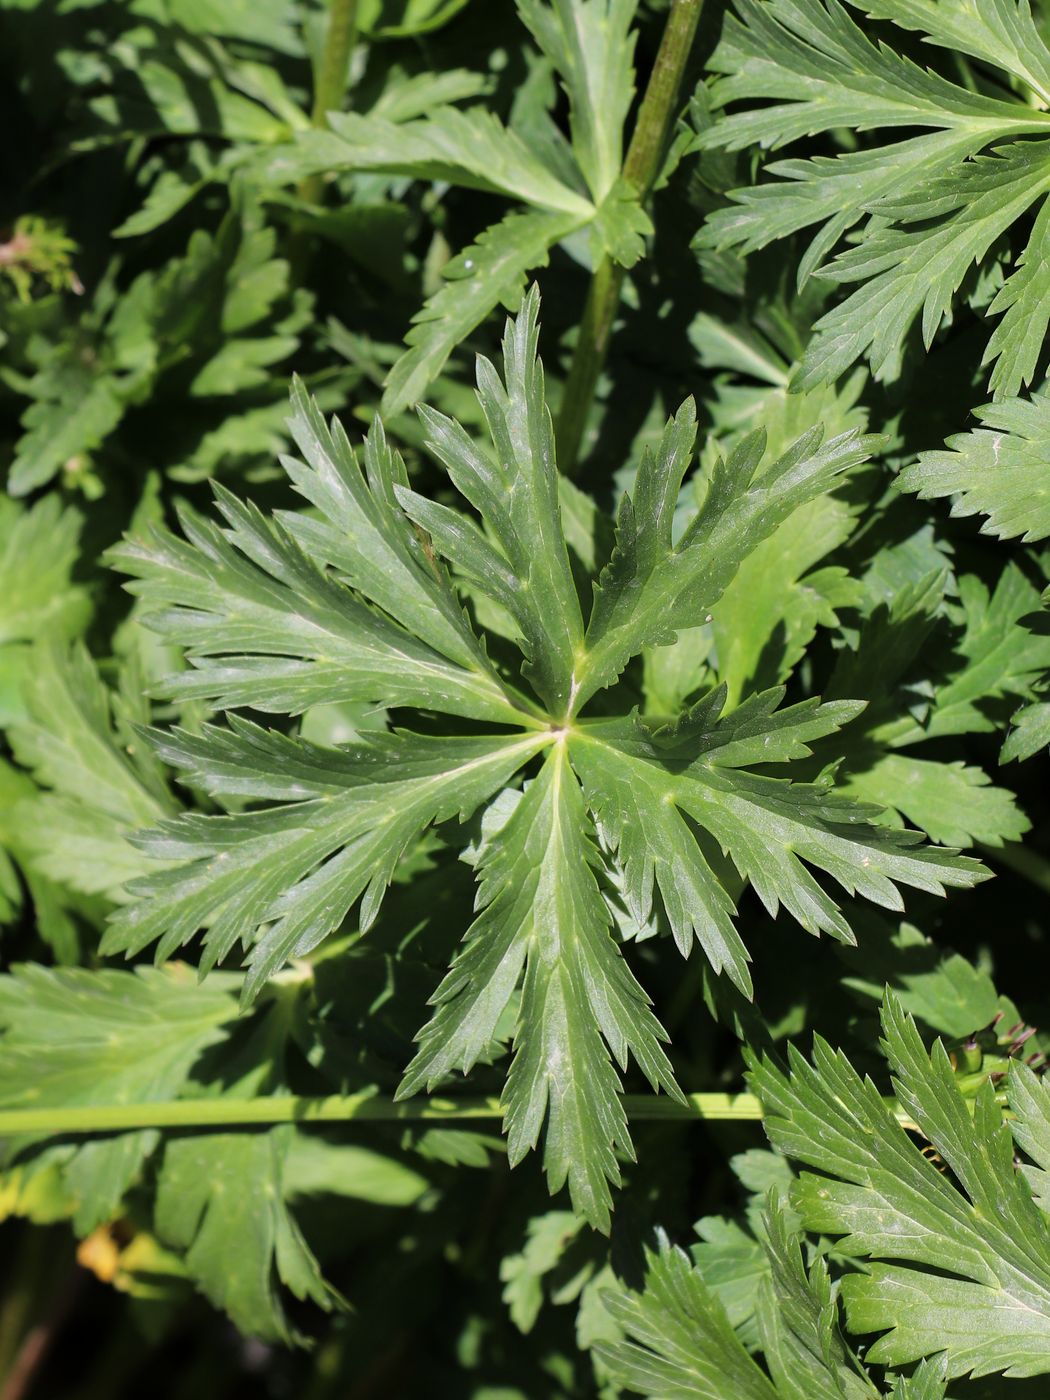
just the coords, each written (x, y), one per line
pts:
(330, 79)
(649, 140)
(592, 345)
(640, 169)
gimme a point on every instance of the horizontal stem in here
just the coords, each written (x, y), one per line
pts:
(364, 1108)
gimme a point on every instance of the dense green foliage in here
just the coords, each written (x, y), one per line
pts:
(494, 566)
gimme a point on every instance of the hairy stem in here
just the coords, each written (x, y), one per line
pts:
(640, 169)
(330, 79)
(365, 1107)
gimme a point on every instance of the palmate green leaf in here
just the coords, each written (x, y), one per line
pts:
(997, 470)
(590, 44)
(350, 602)
(971, 1270)
(77, 1037)
(680, 1345)
(933, 204)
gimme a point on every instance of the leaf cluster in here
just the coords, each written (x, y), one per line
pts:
(381, 810)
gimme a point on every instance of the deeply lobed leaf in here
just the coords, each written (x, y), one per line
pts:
(973, 1277)
(351, 601)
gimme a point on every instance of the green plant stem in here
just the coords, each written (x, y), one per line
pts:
(640, 169)
(592, 345)
(366, 1107)
(330, 82)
